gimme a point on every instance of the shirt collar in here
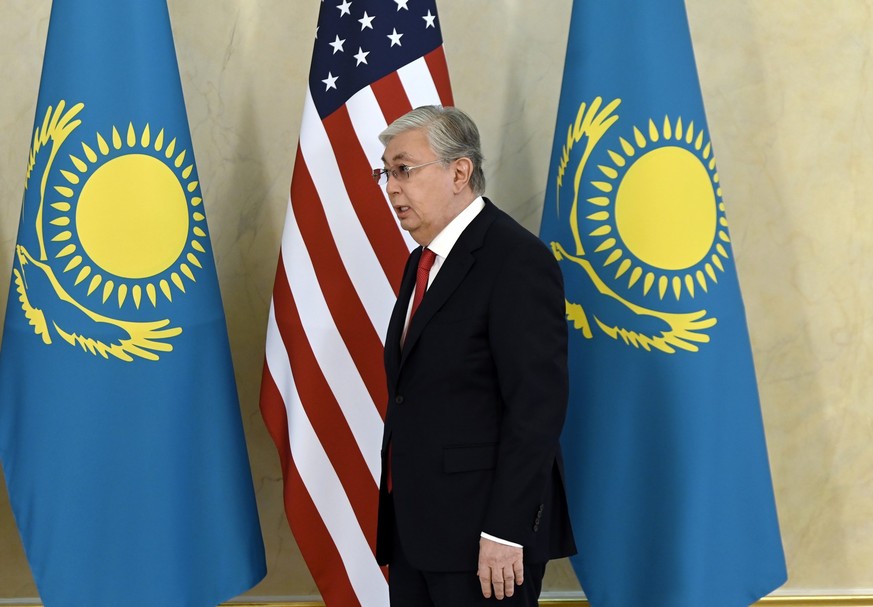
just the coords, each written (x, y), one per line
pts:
(444, 241)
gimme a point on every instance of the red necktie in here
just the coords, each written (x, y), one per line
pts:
(425, 263)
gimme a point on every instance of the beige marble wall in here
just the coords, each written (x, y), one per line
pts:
(786, 83)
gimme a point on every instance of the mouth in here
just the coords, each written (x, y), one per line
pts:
(401, 210)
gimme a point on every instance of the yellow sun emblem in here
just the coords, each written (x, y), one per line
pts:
(655, 220)
(131, 215)
(661, 205)
(123, 223)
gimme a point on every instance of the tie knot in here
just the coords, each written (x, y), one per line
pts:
(427, 259)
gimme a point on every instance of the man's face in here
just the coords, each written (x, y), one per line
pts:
(425, 201)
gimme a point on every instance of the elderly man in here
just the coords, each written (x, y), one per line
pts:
(472, 504)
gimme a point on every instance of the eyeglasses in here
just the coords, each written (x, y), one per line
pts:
(400, 173)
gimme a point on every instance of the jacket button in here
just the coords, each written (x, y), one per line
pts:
(398, 399)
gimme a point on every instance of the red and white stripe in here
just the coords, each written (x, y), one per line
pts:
(323, 395)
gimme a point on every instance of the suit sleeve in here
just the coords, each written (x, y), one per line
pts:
(528, 338)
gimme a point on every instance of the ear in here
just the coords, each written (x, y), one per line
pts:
(462, 171)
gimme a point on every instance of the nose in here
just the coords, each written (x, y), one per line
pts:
(393, 185)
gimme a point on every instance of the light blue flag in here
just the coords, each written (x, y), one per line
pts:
(120, 430)
(669, 481)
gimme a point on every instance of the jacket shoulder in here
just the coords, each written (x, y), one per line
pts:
(507, 231)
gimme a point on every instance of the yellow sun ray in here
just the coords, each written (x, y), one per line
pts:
(623, 267)
(73, 263)
(83, 274)
(613, 257)
(605, 246)
(102, 145)
(107, 289)
(95, 282)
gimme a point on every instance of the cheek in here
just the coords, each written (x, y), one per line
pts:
(417, 203)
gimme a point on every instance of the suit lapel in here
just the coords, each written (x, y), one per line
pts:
(398, 315)
(455, 268)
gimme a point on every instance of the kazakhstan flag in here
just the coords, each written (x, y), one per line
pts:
(120, 431)
(668, 476)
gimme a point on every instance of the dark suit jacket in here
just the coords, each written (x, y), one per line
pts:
(477, 399)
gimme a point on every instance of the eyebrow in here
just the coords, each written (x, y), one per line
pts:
(400, 156)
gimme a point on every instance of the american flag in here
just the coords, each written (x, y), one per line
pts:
(323, 394)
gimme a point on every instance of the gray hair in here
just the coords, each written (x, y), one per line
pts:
(452, 134)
